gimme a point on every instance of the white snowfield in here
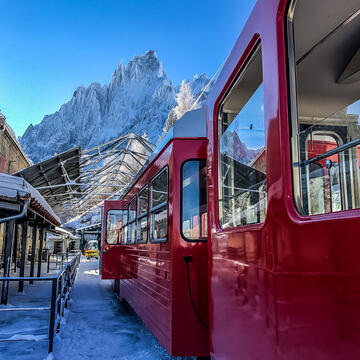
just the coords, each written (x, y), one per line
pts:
(96, 325)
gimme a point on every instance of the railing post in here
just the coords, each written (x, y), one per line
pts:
(41, 236)
(15, 245)
(10, 229)
(24, 232)
(48, 261)
(33, 245)
(52, 314)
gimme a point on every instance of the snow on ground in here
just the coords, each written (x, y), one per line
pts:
(96, 325)
(24, 324)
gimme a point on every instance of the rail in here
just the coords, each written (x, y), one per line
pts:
(60, 295)
(58, 259)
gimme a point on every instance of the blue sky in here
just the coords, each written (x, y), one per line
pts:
(48, 48)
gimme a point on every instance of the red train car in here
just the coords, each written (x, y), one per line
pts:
(154, 241)
(283, 186)
(283, 190)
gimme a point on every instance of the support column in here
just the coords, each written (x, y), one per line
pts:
(41, 236)
(33, 245)
(24, 233)
(82, 240)
(10, 229)
(15, 245)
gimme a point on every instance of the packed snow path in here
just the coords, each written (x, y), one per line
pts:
(96, 325)
(99, 327)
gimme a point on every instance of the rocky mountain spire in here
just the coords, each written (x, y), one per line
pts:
(137, 99)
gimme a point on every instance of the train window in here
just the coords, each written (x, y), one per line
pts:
(242, 154)
(132, 209)
(113, 226)
(159, 207)
(125, 216)
(124, 230)
(124, 234)
(131, 233)
(143, 201)
(142, 230)
(142, 222)
(324, 74)
(132, 221)
(193, 200)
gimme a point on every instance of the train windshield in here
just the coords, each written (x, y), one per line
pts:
(324, 64)
(242, 153)
(159, 207)
(113, 226)
(194, 203)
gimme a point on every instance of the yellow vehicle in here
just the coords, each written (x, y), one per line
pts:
(92, 249)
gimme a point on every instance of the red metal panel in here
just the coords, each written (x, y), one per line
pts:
(286, 289)
(111, 254)
(190, 336)
(153, 276)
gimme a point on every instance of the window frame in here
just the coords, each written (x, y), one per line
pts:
(131, 222)
(249, 53)
(106, 228)
(140, 217)
(204, 240)
(125, 226)
(159, 206)
(293, 122)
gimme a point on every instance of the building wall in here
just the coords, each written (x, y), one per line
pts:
(12, 157)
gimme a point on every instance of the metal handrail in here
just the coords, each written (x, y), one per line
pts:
(60, 295)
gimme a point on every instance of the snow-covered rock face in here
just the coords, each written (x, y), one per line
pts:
(138, 99)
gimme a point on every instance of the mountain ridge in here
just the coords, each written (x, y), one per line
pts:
(137, 99)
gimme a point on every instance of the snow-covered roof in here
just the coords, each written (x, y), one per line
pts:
(14, 189)
(52, 174)
(191, 125)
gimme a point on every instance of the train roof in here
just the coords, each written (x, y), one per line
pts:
(190, 125)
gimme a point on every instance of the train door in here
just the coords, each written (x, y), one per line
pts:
(239, 205)
(112, 237)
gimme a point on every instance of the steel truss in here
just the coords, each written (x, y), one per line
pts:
(105, 172)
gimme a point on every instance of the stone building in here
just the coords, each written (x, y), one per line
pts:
(12, 156)
(12, 159)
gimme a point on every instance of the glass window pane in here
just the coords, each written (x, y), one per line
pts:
(326, 108)
(159, 189)
(125, 216)
(242, 158)
(131, 233)
(142, 230)
(113, 226)
(159, 224)
(132, 210)
(124, 235)
(194, 204)
(143, 201)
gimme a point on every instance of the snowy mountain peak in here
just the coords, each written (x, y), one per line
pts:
(138, 99)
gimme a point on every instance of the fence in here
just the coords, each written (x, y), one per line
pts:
(60, 295)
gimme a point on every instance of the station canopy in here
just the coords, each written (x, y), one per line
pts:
(77, 181)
